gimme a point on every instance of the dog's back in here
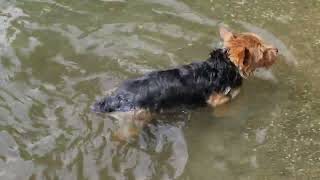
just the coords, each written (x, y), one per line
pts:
(188, 85)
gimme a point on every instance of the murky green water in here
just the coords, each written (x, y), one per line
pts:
(58, 56)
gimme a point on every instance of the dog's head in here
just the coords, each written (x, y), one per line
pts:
(248, 51)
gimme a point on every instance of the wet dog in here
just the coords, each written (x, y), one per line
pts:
(213, 82)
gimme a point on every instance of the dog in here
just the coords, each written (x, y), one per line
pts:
(212, 82)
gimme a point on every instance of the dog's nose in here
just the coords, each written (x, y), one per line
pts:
(276, 49)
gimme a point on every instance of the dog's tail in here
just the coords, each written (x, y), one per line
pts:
(107, 104)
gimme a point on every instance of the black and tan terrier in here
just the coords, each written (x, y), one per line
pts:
(212, 82)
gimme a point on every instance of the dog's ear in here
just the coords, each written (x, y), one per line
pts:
(242, 58)
(246, 57)
(225, 34)
(246, 62)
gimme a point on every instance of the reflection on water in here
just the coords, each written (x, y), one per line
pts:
(58, 57)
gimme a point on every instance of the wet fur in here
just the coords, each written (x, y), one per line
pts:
(214, 82)
(187, 85)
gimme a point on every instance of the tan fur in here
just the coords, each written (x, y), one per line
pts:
(217, 99)
(131, 123)
(248, 51)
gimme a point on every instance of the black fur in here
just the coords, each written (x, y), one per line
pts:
(190, 84)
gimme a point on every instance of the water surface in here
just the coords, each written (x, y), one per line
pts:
(57, 57)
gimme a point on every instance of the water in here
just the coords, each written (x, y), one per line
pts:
(58, 57)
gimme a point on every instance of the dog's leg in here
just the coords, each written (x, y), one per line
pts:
(217, 99)
(133, 123)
